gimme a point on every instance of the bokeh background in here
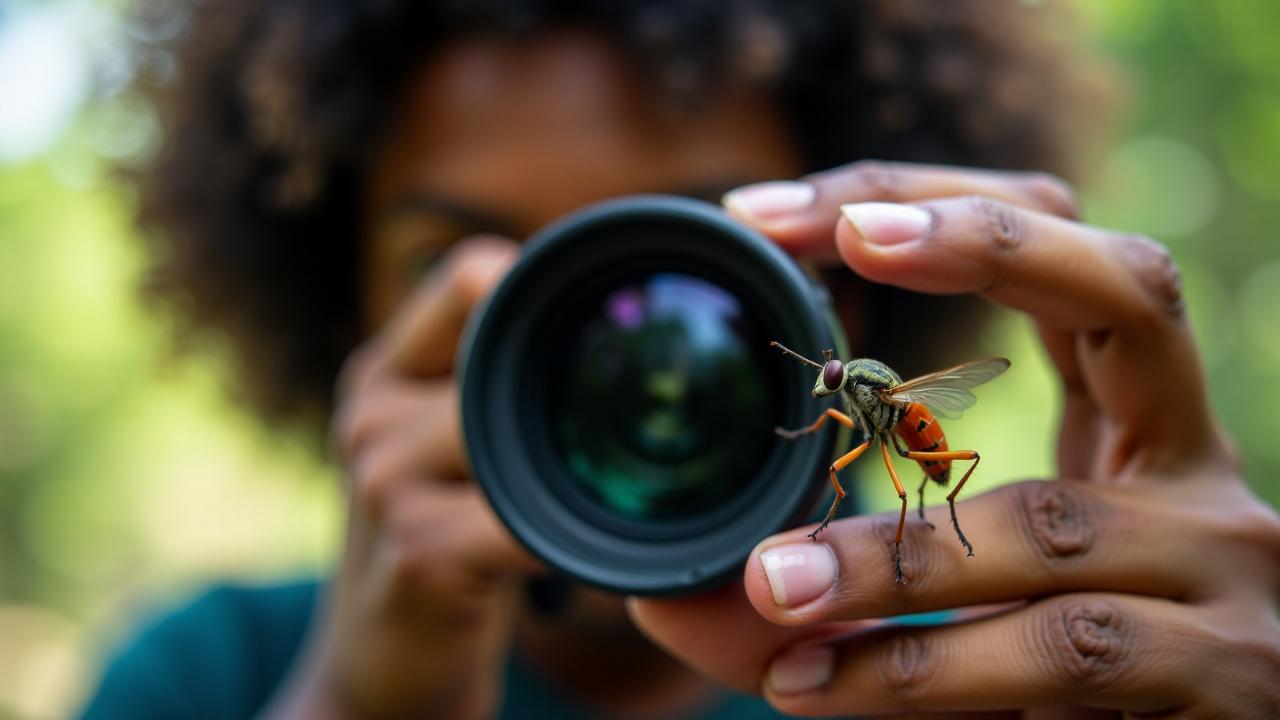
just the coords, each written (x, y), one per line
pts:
(128, 479)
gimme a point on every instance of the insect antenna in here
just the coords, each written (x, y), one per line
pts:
(826, 354)
(794, 354)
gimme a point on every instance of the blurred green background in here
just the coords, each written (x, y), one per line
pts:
(128, 480)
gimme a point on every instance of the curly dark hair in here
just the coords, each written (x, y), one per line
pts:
(251, 200)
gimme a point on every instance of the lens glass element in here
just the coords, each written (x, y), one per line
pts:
(664, 405)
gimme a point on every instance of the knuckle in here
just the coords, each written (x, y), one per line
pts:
(907, 662)
(1054, 194)
(921, 564)
(420, 576)
(358, 367)
(1256, 526)
(416, 571)
(406, 568)
(351, 426)
(879, 179)
(1060, 523)
(866, 542)
(373, 479)
(1087, 641)
(468, 278)
(419, 571)
(1227, 453)
(998, 224)
(880, 531)
(474, 267)
(1157, 273)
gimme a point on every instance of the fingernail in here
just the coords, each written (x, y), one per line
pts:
(887, 223)
(799, 573)
(802, 670)
(770, 200)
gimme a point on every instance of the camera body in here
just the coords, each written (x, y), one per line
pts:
(619, 395)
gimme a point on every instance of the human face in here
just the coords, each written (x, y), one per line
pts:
(500, 136)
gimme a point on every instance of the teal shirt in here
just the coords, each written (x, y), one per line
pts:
(226, 653)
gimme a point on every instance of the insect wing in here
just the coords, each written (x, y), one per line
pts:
(947, 403)
(946, 392)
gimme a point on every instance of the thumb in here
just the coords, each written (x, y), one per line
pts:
(422, 339)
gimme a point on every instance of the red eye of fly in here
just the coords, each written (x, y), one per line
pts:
(833, 374)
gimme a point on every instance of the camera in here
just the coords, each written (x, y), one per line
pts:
(619, 395)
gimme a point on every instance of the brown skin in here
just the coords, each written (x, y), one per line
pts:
(1158, 595)
(491, 138)
(527, 133)
(1145, 582)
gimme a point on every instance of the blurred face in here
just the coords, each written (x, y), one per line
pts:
(494, 136)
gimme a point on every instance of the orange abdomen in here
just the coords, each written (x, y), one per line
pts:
(920, 430)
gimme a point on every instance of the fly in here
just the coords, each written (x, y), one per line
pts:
(882, 406)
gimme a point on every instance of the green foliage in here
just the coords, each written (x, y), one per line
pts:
(125, 476)
(1195, 165)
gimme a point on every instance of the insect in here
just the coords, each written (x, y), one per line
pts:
(884, 407)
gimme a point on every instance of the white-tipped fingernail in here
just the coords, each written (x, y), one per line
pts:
(770, 200)
(802, 670)
(799, 572)
(887, 223)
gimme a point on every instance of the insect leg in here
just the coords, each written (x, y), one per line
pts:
(920, 508)
(902, 516)
(923, 481)
(951, 497)
(840, 464)
(896, 446)
(830, 413)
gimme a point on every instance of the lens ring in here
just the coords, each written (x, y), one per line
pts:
(509, 360)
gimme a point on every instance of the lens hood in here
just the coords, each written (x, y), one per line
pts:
(513, 360)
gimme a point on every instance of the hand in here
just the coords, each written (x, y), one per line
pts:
(1150, 588)
(419, 618)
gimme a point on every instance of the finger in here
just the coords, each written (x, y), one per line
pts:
(422, 339)
(420, 438)
(1117, 651)
(799, 214)
(1082, 423)
(1117, 294)
(413, 420)
(1032, 538)
(448, 533)
(720, 635)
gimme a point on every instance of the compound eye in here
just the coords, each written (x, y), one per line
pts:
(833, 374)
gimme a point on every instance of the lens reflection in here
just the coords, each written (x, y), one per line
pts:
(664, 410)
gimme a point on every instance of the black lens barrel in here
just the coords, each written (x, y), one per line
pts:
(526, 356)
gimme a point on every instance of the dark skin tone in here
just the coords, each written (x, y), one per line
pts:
(428, 600)
(1143, 582)
(1140, 608)
(486, 116)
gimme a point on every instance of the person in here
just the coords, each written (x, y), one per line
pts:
(335, 192)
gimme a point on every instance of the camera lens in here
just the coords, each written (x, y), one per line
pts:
(662, 404)
(619, 395)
